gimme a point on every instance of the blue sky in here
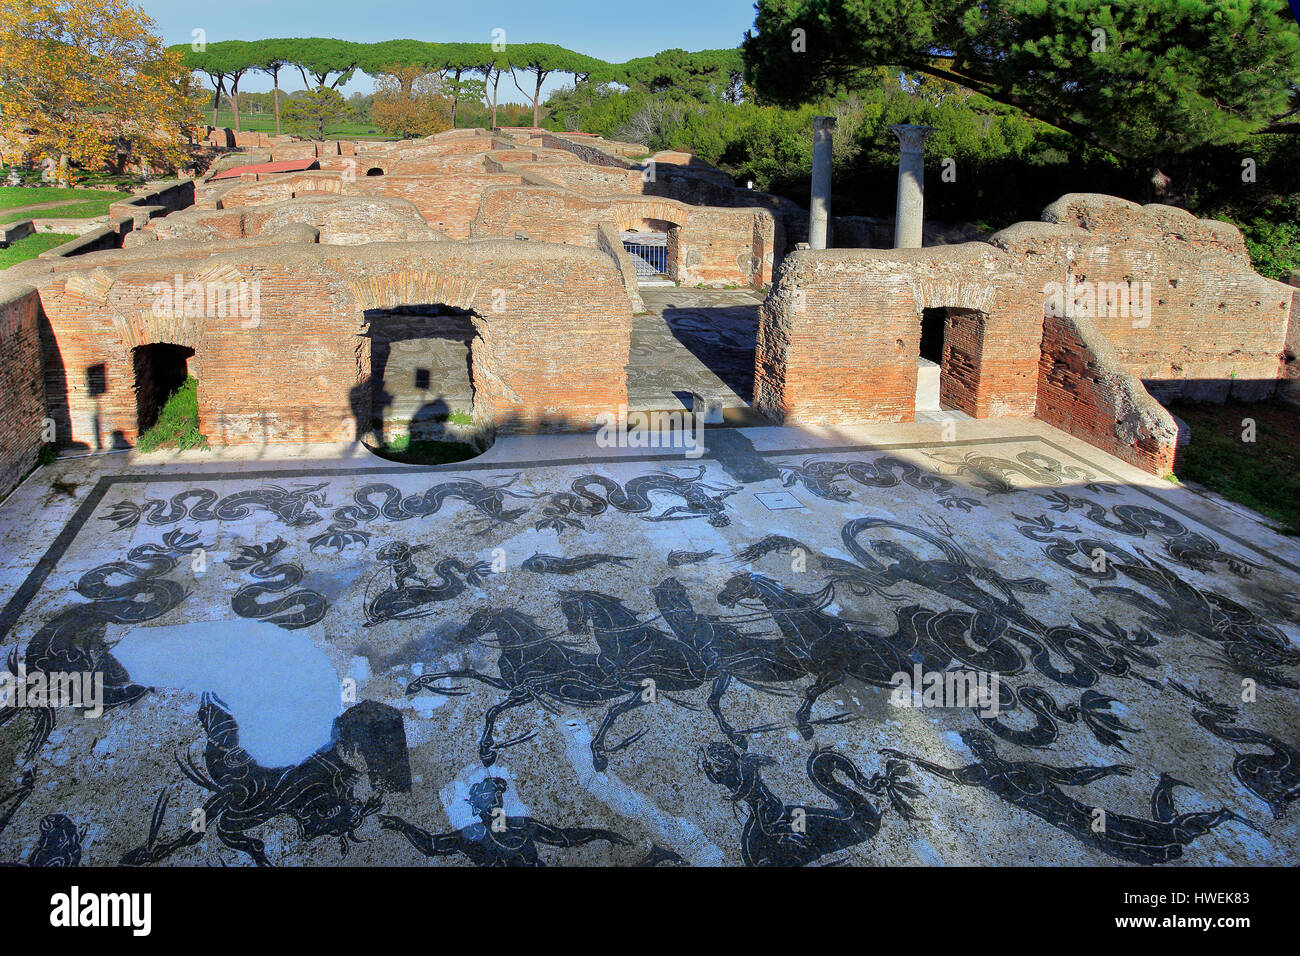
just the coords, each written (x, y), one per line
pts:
(609, 29)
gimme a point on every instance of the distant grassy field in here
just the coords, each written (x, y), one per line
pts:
(81, 203)
(265, 123)
(31, 247)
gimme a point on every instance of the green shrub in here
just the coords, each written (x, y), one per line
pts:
(178, 422)
(1274, 247)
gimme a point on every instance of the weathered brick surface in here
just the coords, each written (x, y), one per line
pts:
(714, 246)
(839, 335)
(448, 203)
(1084, 389)
(1215, 327)
(553, 328)
(158, 200)
(339, 220)
(590, 150)
(21, 384)
(839, 332)
(589, 181)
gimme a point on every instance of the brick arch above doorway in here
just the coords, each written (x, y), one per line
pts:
(413, 288)
(147, 328)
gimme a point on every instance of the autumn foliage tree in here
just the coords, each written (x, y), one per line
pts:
(409, 102)
(89, 82)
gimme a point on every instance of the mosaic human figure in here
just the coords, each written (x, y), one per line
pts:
(495, 838)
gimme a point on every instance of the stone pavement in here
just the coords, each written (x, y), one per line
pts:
(575, 655)
(693, 340)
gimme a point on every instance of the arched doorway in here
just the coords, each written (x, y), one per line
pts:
(653, 245)
(161, 369)
(421, 381)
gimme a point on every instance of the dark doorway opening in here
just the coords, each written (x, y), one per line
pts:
(374, 171)
(932, 321)
(421, 380)
(160, 369)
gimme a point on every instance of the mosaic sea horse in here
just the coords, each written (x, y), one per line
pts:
(760, 661)
(317, 793)
(1089, 650)
(411, 595)
(1036, 788)
(821, 477)
(75, 641)
(992, 473)
(778, 834)
(60, 841)
(1189, 548)
(829, 650)
(567, 509)
(1245, 643)
(533, 666)
(955, 575)
(1093, 709)
(679, 660)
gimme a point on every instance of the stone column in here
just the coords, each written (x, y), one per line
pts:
(910, 214)
(819, 208)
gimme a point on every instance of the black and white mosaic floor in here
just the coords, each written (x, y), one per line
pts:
(656, 661)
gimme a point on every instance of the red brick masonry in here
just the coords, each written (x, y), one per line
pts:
(1149, 300)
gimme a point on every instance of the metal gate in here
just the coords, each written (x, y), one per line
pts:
(649, 252)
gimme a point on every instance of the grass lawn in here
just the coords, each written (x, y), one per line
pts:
(410, 452)
(88, 202)
(31, 247)
(1263, 474)
(265, 123)
(178, 422)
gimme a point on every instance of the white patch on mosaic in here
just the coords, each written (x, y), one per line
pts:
(279, 685)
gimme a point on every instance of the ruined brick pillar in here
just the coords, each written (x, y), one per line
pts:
(819, 206)
(910, 213)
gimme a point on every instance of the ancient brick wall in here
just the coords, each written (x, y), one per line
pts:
(448, 203)
(715, 246)
(590, 151)
(1213, 326)
(553, 336)
(839, 335)
(23, 408)
(279, 187)
(839, 332)
(589, 181)
(339, 220)
(160, 200)
(608, 242)
(436, 165)
(1084, 389)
